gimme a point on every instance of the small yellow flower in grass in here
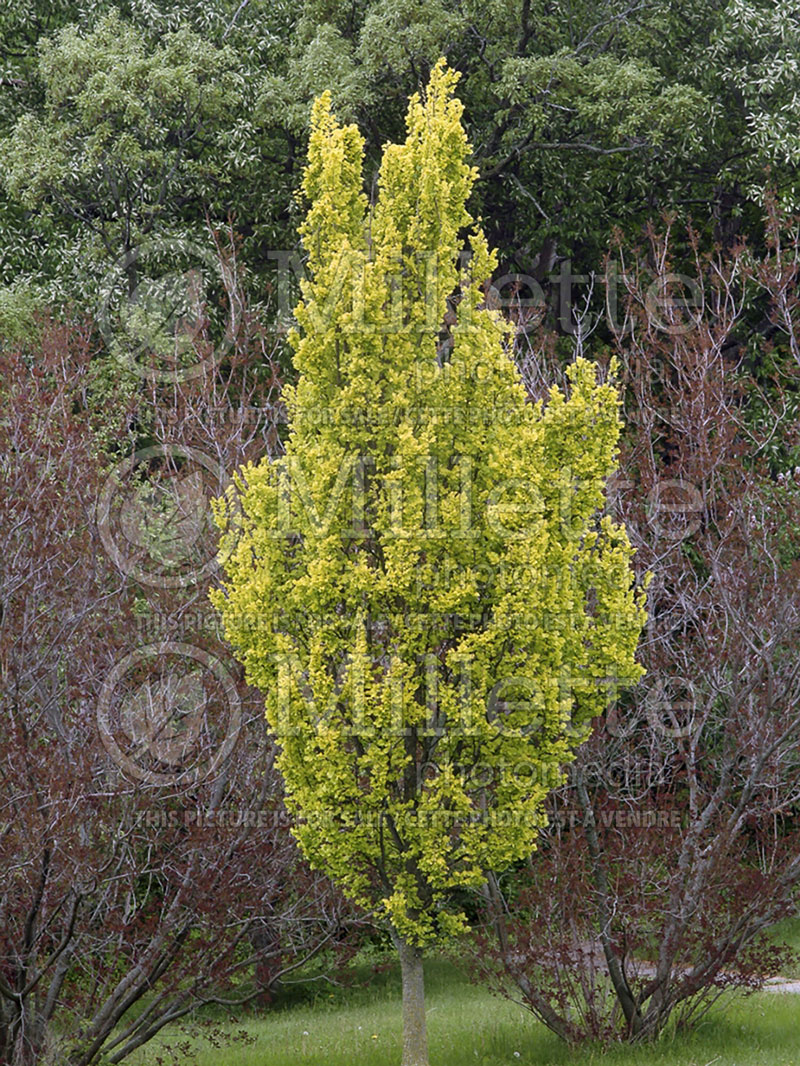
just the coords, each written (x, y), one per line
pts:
(374, 1036)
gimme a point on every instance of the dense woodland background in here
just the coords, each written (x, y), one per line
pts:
(149, 262)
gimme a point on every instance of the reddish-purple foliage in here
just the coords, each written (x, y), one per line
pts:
(134, 889)
(673, 843)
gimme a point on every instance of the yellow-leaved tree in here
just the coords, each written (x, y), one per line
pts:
(424, 586)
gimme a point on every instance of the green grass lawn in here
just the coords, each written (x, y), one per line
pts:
(788, 932)
(360, 1026)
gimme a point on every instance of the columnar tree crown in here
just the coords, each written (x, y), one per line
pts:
(424, 586)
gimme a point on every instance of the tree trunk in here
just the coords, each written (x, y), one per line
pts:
(415, 1032)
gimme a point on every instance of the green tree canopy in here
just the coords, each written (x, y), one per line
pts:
(584, 117)
(423, 586)
(123, 143)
